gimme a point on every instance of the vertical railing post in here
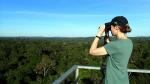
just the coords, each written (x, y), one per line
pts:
(76, 75)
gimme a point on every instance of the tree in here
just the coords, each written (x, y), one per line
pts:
(45, 65)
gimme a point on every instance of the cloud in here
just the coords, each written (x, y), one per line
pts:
(48, 14)
(52, 14)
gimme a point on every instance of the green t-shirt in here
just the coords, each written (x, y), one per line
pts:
(119, 53)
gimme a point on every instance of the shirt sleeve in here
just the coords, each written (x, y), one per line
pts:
(110, 48)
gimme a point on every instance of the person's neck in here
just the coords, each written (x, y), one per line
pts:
(122, 36)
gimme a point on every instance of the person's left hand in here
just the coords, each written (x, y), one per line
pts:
(101, 30)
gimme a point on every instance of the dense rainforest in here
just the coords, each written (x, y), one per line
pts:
(38, 60)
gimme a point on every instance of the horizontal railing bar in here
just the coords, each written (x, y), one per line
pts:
(65, 75)
(88, 67)
(129, 70)
(138, 71)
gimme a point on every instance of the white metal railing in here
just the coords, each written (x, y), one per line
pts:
(76, 68)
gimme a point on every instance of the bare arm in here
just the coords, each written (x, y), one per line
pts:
(94, 50)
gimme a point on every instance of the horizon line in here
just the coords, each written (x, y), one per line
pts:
(57, 36)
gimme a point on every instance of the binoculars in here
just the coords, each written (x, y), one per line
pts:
(107, 27)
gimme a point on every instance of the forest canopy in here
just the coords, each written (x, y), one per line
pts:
(43, 60)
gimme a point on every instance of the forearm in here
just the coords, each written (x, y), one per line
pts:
(95, 50)
(95, 42)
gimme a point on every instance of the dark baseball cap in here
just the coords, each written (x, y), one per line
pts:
(120, 21)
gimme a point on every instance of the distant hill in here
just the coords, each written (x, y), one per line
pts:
(65, 38)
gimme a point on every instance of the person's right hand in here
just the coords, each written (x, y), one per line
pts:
(107, 39)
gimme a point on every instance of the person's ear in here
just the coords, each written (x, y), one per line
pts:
(117, 28)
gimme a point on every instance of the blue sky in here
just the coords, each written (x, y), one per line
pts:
(70, 18)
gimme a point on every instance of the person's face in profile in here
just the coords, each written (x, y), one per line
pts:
(114, 30)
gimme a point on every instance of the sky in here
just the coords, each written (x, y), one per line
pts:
(70, 18)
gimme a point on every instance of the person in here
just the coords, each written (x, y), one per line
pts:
(119, 51)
